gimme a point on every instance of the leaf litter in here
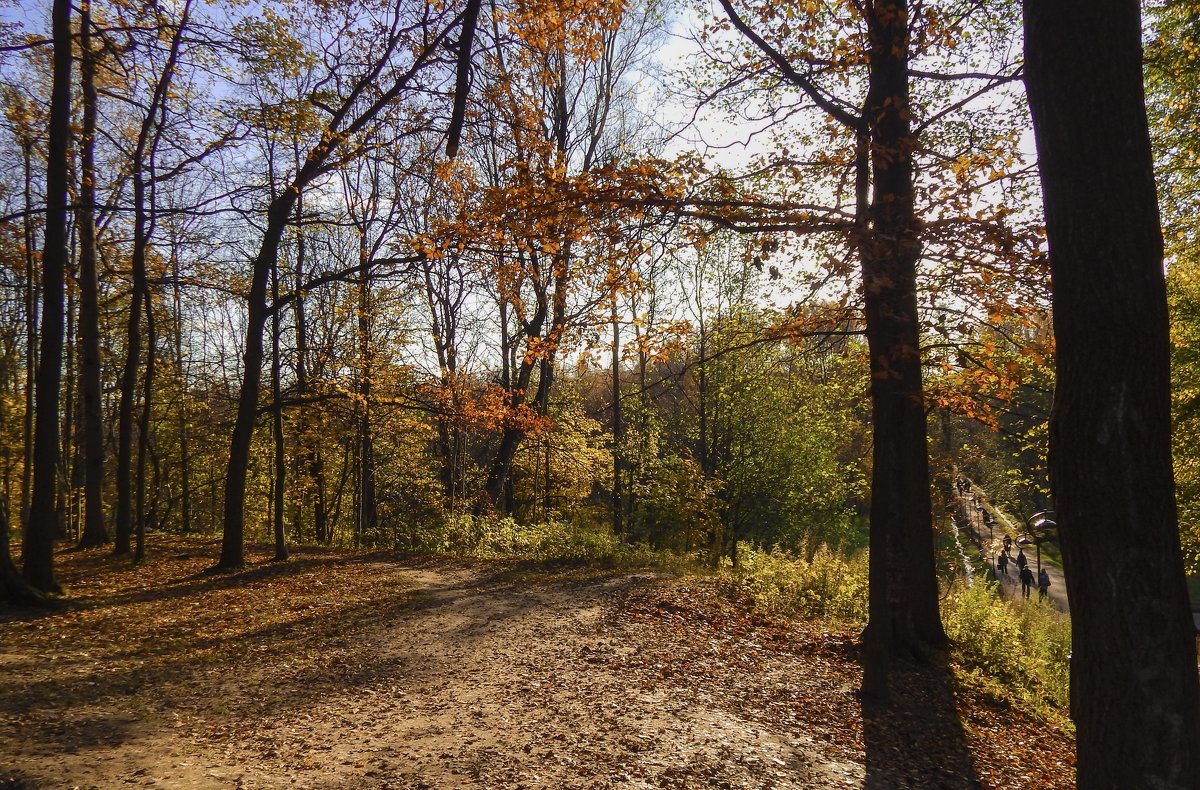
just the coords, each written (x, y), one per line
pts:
(372, 670)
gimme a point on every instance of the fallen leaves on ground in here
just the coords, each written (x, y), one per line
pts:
(357, 669)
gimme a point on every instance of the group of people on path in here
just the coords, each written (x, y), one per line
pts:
(1024, 572)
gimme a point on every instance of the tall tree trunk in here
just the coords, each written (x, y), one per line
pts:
(31, 334)
(439, 298)
(14, 590)
(67, 483)
(547, 483)
(38, 555)
(618, 469)
(185, 454)
(889, 268)
(901, 510)
(233, 535)
(321, 517)
(343, 124)
(637, 467)
(1136, 698)
(143, 224)
(129, 373)
(367, 512)
(281, 550)
(500, 470)
(95, 533)
(143, 441)
(305, 455)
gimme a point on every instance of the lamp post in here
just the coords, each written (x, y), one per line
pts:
(1039, 524)
(991, 540)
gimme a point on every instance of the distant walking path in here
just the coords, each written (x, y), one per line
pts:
(971, 506)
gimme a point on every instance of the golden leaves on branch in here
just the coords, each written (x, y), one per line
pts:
(574, 27)
(467, 405)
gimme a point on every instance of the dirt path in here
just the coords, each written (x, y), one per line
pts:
(353, 670)
(465, 680)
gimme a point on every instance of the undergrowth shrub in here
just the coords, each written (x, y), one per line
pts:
(1018, 648)
(829, 586)
(555, 541)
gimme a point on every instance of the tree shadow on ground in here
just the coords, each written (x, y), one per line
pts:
(918, 740)
(90, 563)
(263, 668)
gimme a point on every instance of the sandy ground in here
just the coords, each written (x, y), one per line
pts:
(468, 679)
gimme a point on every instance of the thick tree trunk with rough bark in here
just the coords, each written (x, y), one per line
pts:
(1134, 682)
(14, 589)
(40, 531)
(901, 510)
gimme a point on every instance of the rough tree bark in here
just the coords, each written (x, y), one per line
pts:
(14, 590)
(38, 555)
(904, 614)
(903, 573)
(94, 531)
(889, 258)
(1136, 700)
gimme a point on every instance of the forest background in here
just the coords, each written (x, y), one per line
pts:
(431, 278)
(562, 324)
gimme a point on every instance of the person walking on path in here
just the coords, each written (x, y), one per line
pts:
(1003, 562)
(1022, 563)
(1043, 584)
(1026, 579)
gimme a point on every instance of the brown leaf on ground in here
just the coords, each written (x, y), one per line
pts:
(368, 670)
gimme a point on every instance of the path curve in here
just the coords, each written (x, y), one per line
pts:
(1010, 585)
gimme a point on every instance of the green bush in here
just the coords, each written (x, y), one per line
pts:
(554, 541)
(678, 507)
(829, 586)
(1020, 648)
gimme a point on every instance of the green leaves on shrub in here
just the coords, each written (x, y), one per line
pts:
(1018, 647)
